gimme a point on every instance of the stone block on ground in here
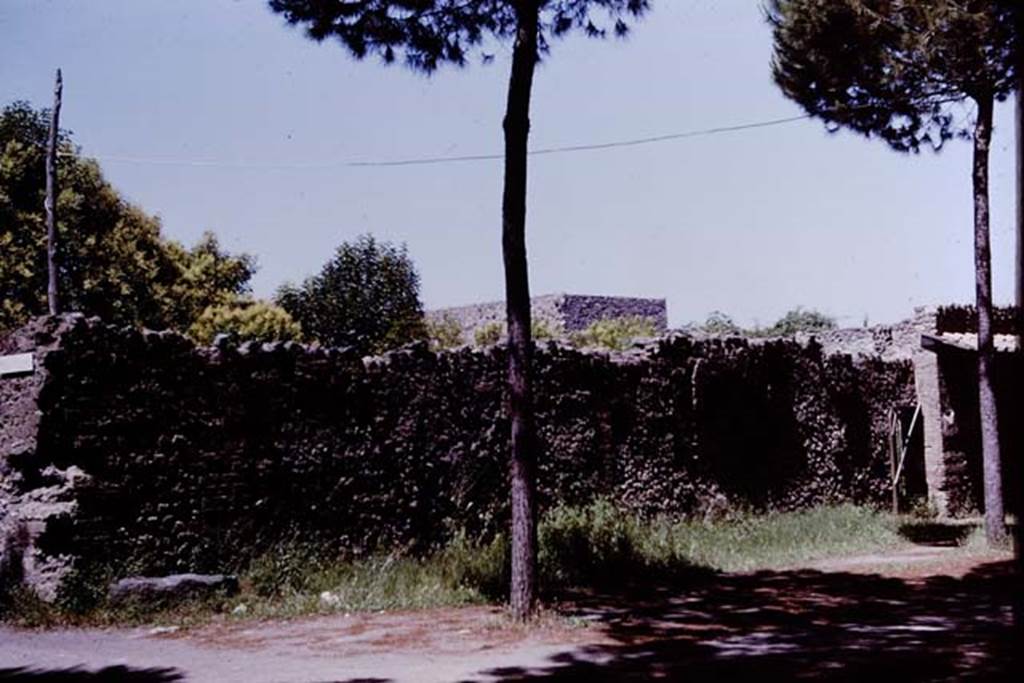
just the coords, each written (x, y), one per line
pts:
(163, 589)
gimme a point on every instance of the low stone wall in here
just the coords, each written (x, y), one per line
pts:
(897, 341)
(167, 457)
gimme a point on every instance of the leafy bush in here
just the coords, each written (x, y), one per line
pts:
(493, 333)
(615, 334)
(541, 330)
(444, 334)
(794, 321)
(720, 324)
(593, 545)
(366, 297)
(484, 567)
(489, 334)
(799, 320)
(259, 321)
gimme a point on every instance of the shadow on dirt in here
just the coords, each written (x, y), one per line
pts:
(799, 624)
(794, 625)
(122, 674)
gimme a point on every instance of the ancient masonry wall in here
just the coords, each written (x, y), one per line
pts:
(131, 452)
(957, 395)
(33, 493)
(563, 313)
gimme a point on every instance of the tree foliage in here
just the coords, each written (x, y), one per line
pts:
(424, 34)
(799, 320)
(245, 320)
(115, 263)
(366, 297)
(892, 68)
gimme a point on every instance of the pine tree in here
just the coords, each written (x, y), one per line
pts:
(424, 34)
(902, 70)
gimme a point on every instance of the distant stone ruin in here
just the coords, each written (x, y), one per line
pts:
(562, 313)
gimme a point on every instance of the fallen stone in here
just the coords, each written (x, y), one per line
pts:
(172, 588)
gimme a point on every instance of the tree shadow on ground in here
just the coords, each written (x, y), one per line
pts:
(798, 624)
(122, 674)
(942, 534)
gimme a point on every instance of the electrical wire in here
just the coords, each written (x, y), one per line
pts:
(424, 161)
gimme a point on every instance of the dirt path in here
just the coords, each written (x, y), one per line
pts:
(928, 614)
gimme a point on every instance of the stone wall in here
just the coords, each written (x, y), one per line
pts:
(562, 313)
(961, 430)
(33, 492)
(167, 457)
(958, 390)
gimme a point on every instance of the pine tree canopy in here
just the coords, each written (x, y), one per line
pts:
(425, 34)
(897, 69)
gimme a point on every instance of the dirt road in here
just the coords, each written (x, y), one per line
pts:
(923, 616)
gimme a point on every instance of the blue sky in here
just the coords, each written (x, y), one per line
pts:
(752, 223)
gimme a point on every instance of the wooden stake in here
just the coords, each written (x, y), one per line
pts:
(52, 252)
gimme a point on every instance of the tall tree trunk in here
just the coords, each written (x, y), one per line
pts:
(1019, 482)
(52, 253)
(1019, 284)
(995, 527)
(522, 462)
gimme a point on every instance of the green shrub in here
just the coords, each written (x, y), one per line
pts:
(593, 545)
(489, 334)
(719, 323)
(259, 321)
(484, 567)
(798, 320)
(444, 334)
(289, 568)
(541, 330)
(493, 333)
(615, 334)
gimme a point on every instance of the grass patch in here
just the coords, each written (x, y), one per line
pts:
(579, 547)
(736, 543)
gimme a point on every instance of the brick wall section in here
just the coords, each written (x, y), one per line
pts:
(182, 458)
(563, 313)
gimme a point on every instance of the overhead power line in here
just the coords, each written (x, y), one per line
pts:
(424, 161)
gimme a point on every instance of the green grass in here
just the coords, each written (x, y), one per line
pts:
(739, 542)
(593, 546)
(775, 540)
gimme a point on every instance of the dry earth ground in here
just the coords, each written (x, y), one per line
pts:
(927, 613)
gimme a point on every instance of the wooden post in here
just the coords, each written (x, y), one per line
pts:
(894, 468)
(52, 252)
